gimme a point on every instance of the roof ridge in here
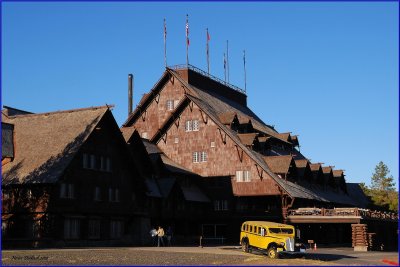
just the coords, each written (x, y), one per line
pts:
(61, 111)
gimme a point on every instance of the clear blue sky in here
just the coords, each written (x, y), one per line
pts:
(325, 71)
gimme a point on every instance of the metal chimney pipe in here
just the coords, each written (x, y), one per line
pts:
(130, 93)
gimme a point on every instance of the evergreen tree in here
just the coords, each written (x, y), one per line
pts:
(382, 191)
(380, 178)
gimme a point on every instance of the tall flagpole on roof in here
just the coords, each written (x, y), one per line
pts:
(187, 40)
(227, 59)
(225, 67)
(165, 43)
(208, 53)
(244, 65)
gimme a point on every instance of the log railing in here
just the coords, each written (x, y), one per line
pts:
(363, 213)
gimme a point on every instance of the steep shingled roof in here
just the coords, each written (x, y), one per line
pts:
(47, 142)
(247, 138)
(127, 132)
(301, 163)
(338, 173)
(327, 169)
(227, 117)
(315, 166)
(279, 164)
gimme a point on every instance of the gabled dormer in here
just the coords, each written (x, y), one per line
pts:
(7, 143)
(250, 140)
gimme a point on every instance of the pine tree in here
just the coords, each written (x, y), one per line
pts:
(382, 191)
(380, 178)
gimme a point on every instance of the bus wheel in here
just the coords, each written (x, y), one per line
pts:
(245, 246)
(272, 253)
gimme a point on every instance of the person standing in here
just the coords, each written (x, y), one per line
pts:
(168, 234)
(160, 234)
(153, 233)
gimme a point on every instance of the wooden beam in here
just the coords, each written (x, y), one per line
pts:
(240, 153)
(260, 171)
(223, 137)
(204, 117)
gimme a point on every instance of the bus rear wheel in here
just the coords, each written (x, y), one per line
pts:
(245, 246)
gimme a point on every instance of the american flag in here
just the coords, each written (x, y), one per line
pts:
(165, 30)
(187, 30)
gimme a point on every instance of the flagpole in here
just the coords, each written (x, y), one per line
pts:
(227, 59)
(244, 65)
(165, 43)
(225, 67)
(187, 40)
(208, 54)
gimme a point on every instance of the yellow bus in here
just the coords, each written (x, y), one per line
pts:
(274, 238)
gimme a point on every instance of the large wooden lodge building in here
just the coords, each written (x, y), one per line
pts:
(192, 155)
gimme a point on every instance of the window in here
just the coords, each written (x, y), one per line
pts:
(212, 144)
(188, 126)
(199, 157)
(170, 104)
(97, 193)
(71, 228)
(195, 157)
(102, 163)
(239, 176)
(66, 190)
(195, 124)
(108, 164)
(144, 135)
(116, 195)
(192, 125)
(113, 195)
(94, 229)
(116, 229)
(176, 141)
(92, 162)
(243, 176)
(110, 194)
(203, 156)
(85, 160)
(220, 205)
(246, 176)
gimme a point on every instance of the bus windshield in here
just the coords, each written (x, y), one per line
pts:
(281, 231)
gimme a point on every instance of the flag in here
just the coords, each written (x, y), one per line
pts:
(165, 31)
(165, 43)
(187, 30)
(208, 53)
(224, 62)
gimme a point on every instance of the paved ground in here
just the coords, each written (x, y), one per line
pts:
(224, 255)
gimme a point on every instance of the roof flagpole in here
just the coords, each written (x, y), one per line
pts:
(244, 66)
(187, 40)
(227, 59)
(208, 53)
(165, 43)
(225, 67)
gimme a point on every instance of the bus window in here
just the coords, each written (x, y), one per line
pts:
(251, 228)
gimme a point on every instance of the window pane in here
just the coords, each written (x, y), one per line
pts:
(203, 156)
(195, 157)
(92, 162)
(195, 125)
